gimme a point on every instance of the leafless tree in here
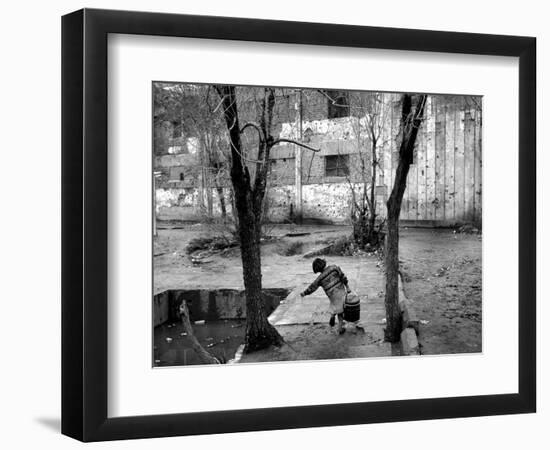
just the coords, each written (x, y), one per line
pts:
(191, 110)
(249, 191)
(369, 111)
(368, 114)
(412, 113)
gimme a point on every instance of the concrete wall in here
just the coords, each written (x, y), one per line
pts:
(185, 203)
(210, 304)
(327, 202)
(324, 202)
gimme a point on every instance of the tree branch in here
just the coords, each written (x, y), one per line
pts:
(240, 176)
(292, 141)
(253, 125)
(266, 118)
(204, 355)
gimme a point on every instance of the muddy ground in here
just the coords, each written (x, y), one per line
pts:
(320, 342)
(282, 256)
(442, 275)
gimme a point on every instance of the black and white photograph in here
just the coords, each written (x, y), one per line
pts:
(301, 223)
(242, 225)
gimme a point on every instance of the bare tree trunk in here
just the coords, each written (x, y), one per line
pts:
(393, 322)
(410, 123)
(234, 217)
(259, 332)
(203, 354)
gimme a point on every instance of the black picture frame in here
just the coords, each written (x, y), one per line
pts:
(84, 224)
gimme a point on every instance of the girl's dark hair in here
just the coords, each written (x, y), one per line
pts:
(319, 265)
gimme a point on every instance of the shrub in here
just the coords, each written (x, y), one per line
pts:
(291, 248)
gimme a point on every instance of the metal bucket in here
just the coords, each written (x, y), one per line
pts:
(352, 308)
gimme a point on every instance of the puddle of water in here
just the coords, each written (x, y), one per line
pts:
(226, 335)
(223, 312)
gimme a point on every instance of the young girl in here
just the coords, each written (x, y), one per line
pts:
(335, 284)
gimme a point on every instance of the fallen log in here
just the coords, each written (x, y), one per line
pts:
(203, 354)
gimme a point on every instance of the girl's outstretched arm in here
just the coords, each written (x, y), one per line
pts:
(312, 287)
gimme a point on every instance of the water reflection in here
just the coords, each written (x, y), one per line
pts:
(220, 337)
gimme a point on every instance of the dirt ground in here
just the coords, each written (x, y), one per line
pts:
(173, 268)
(320, 342)
(442, 276)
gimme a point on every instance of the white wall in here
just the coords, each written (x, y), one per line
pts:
(30, 233)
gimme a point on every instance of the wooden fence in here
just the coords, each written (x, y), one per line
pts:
(444, 183)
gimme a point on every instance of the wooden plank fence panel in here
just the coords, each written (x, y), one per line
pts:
(412, 186)
(469, 183)
(421, 212)
(478, 163)
(430, 159)
(459, 161)
(450, 112)
(445, 180)
(439, 163)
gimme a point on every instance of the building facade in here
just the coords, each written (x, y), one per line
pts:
(444, 185)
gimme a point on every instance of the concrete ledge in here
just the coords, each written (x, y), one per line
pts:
(431, 223)
(408, 315)
(409, 342)
(410, 324)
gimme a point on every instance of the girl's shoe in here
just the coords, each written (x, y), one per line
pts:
(341, 330)
(331, 321)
